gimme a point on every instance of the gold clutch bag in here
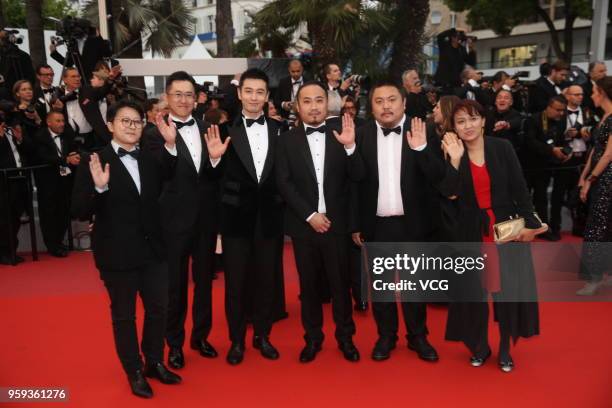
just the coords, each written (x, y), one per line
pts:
(508, 230)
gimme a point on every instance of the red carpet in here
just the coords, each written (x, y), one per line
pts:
(57, 333)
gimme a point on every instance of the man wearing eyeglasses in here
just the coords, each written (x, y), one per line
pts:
(189, 216)
(44, 91)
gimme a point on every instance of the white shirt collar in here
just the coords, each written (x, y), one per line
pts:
(116, 146)
(53, 134)
(174, 118)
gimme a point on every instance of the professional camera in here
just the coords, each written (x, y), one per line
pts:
(72, 28)
(211, 90)
(520, 74)
(10, 37)
(362, 81)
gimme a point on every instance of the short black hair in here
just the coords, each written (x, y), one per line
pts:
(180, 76)
(41, 66)
(148, 105)
(55, 111)
(560, 65)
(557, 98)
(253, 73)
(310, 83)
(387, 82)
(500, 76)
(116, 107)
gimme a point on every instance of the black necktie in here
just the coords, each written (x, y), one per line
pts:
(396, 129)
(181, 124)
(320, 129)
(134, 153)
(261, 120)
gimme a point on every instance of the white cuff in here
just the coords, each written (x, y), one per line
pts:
(172, 151)
(235, 82)
(310, 217)
(214, 162)
(506, 87)
(350, 151)
(421, 147)
(102, 190)
(473, 83)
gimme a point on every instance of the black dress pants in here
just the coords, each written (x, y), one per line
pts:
(13, 200)
(538, 181)
(393, 229)
(325, 253)
(54, 210)
(200, 247)
(565, 179)
(151, 282)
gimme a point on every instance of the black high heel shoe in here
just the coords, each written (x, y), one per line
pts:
(507, 365)
(477, 361)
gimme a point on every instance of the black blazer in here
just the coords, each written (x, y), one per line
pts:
(542, 135)
(189, 201)
(540, 93)
(424, 176)
(127, 230)
(89, 98)
(26, 151)
(283, 94)
(95, 49)
(46, 153)
(516, 133)
(249, 208)
(297, 181)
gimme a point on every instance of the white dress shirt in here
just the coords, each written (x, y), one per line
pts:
(193, 140)
(57, 141)
(76, 118)
(46, 98)
(577, 144)
(557, 89)
(389, 151)
(257, 136)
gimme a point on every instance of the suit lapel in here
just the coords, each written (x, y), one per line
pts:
(118, 170)
(242, 148)
(371, 146)
(306, 153)
(183, 150)
(269, 163)
(405, 155)
(202, 128)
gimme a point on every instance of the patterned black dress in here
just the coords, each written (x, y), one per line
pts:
(596, 254)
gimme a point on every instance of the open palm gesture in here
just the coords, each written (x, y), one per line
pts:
(347, 137)
(215, 147)
(100, 176)
(166, 128)
(416, 136)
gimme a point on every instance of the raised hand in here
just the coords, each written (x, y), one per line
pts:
(100, 176)
(215, 147)
(166, 129)
(416, 136)
(453, 148)
(347, 137)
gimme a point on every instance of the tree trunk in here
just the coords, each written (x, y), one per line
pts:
(2, 20)
(568, 32)
(554, 36)
(225, 28)
(35, 31)
(324, 51)
(408, 44)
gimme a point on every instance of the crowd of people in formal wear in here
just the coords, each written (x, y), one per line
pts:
(169, 183)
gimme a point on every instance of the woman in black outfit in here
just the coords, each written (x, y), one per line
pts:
(490, 189)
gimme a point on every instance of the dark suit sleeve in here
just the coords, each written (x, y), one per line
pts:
(518, 187)
(84, 194)
(60, 58)
(356, 166)
(44, 152)
(441, 174)
(285, 184)
(533, 139)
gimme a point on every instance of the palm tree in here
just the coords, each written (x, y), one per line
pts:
(225, 28)
(34, 22)
(333, 25)
(163, 24)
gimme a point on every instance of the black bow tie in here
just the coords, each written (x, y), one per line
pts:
(48, 90)
(73, 96)
(134, 153)
(299, 81)
(320, 129)
(396, 129)
(180, 124)
(261, 120)
(571, 112)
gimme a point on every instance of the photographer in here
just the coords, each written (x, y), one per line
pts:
(548, 86)
(337, 88)
(470, 87)
(417, 103)
(456, 51)
(15, 151)
(284, 97)
(44, 91)
(83, 42)
(15, 64)
(505, 122)
(26, 110)
(55, 148)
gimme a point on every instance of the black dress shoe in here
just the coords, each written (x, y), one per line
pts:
(422, 347)
(349, 350)
(19, 259)
(506, 364)
(309, 352)
(265, 348)
(176, 359)
(235, 354)
(6, 260)
(479, 359)
(58, 253)
(159, 371)
(361, 306)
(205, 348)
(382, 349)
(139, 385)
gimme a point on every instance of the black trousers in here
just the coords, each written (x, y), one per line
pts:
(326, 253)
(538, 181)
(248, 260)
(354, 257)
(564, 181)
(54, 210)
(151, 282)
(12, 206)
(200, 247)
(393, 229)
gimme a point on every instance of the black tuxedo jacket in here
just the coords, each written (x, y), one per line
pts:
(542, 135)
(41, 103)
(540, 94)
(283, 94)
(127, 230)
(249, 208)
(95, 49)
(297, 181)
(189, 201)
(424, 177)
(26, 151)
(46, 153)
(516, 133)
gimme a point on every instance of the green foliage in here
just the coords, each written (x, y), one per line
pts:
(15, 12)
